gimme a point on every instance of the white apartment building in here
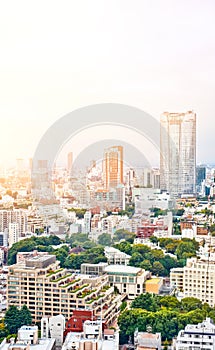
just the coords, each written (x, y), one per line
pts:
(49, 290)
(196, 279)
(53, 327)
(128, 279)
(87, 222)
(92, 338)
(116, 257)
(17, 216)
(13, 234)
(28, 334)
(200, 336)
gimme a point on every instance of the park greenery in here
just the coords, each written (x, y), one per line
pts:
(164, 314)
(173, 253)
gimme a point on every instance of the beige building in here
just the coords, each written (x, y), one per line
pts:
(49, 290)
(128, 280)
(153, 285)
(196, 279)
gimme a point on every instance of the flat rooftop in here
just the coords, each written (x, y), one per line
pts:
(153, 281)
(123, 269)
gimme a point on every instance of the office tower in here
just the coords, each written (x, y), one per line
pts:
(69, 162)
(113, 166)
(200, 175)
(178, 153)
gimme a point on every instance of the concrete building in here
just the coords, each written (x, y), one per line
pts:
(15, 216)
(43, 344)
(53, 327)
(176, 278)
(147, 198)
(116, 257)
(198, 278)
(13, 234)
(129, 280)
(199, 336)
(113, 167)
(49, 290)
(93, 269)
(28, 334)
(145, 340)
(4, 238)
(28, 340)
(87, 222)
(92, 338)
(153, 285)
(178, 153)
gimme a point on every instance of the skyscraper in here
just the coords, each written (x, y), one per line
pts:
(69, 162)
(113, 166)
(178, 152)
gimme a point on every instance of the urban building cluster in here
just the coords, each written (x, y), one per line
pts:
(79, 308)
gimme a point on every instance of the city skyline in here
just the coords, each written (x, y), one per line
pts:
(149, 58)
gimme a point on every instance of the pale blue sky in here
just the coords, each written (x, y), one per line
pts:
(55, 56)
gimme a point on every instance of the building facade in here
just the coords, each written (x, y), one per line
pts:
(196, 279)
(178, 153)
(197, 337)
(49, 290)
(113, 167)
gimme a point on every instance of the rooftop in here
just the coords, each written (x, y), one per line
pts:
(153, 281)
(123, 269)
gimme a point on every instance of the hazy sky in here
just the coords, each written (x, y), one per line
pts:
(56, 56)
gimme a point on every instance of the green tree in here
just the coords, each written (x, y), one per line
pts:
(146, 265)
(190, 303)
(140, 248)
(25, 316)
(136, 259)
(147, 301)
(12, 319)
(105, 239)
(170, 302)
(158, 269)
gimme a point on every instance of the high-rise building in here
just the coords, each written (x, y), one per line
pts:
(69, 162)
(113, 166)
(196, 279)
(178, 152)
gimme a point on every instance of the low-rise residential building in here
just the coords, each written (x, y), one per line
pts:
(116, 257)
(53, 327)
(199, 336)
(28, 334)
(92, 338)
(128, 280)
(146, 340)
